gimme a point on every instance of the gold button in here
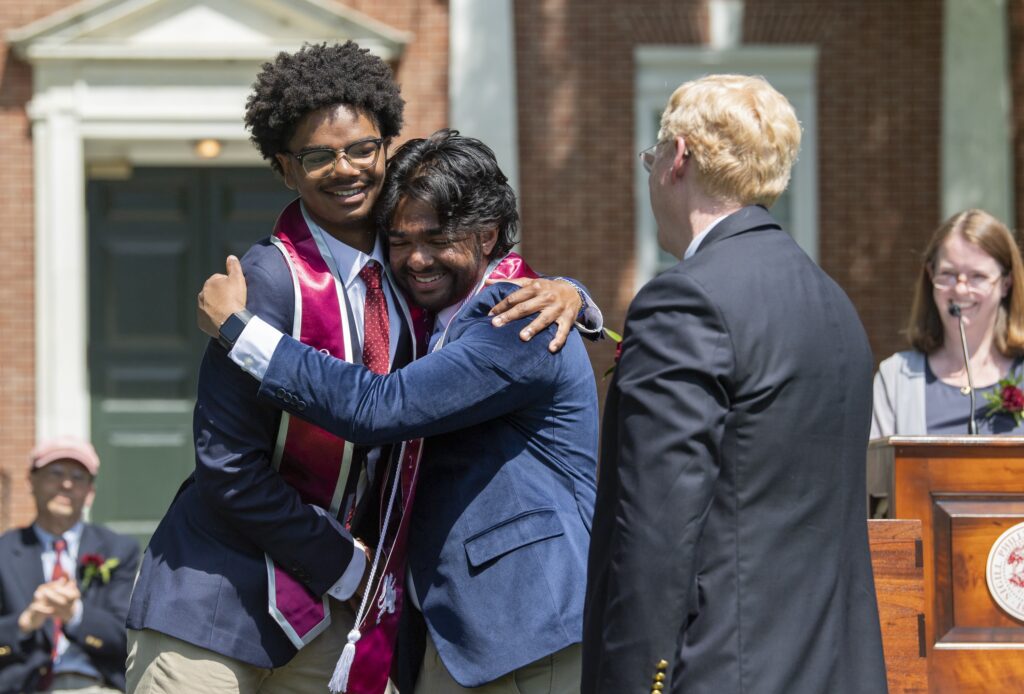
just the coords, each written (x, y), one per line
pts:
(657, 686)
(660, 677)
(5, 650)
(93, 641)
(662, 664)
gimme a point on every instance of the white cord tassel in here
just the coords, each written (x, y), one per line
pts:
(339, 680)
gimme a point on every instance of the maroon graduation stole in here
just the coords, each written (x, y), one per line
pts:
(315, 462)
(365, 662)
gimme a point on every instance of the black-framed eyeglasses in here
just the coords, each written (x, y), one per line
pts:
(321, 162)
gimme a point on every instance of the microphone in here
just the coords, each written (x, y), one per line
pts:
(954, 310)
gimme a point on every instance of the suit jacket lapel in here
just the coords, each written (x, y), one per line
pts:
(28, 562)
(749, 218)
(91, 542)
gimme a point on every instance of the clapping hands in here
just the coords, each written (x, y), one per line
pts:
(56, 599)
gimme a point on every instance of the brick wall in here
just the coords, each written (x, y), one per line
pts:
(878, 112)
(575, 77)
(422, 71)
(17, 324)
(879, 106)
(1015, 20)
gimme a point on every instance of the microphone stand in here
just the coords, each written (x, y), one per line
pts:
(954, 310)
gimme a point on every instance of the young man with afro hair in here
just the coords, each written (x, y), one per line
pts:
(247, 582)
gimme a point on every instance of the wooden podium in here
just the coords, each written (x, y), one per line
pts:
(968, 492)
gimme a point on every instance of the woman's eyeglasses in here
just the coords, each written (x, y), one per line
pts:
(975, 282)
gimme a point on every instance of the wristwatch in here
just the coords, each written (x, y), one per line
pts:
(232, 328)
(579, 290)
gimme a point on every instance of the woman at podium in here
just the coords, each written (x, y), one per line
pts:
(972, 272)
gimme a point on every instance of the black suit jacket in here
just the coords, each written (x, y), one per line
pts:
(101, 633)
(730, 537)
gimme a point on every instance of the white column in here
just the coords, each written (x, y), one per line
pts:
(725, 24)
(61, 306)
(977, 166)
(482, 77)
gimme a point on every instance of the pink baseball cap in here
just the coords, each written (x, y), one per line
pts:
(65, 448)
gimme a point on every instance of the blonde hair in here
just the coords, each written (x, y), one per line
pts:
(990, 235)
(741, 132)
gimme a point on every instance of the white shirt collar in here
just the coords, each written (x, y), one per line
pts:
(699, 238)
(73, 537)
(348, 260)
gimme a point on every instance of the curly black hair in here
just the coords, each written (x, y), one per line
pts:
(315, 76)
(459, 177)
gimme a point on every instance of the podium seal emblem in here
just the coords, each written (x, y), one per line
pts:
(1004, 571)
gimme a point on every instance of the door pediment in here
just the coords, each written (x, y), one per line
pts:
(198, 30)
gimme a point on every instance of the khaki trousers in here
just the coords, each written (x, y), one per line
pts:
(161, 664)
(558, 673)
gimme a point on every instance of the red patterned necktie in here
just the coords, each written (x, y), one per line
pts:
(376, 325)
(59, 547)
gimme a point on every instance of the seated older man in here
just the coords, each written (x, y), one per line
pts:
(64, 583)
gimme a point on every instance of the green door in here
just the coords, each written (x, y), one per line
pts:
(153, 239)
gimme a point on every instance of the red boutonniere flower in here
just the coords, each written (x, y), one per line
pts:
(95, 560)
(614, 336)
(96, 565)
(1008, 398)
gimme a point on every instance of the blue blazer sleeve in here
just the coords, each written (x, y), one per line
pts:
(482, 372)
(235, 436)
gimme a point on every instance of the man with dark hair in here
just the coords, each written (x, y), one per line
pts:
(244, 585)
(499, 532)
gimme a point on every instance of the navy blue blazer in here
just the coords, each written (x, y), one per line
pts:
(730, 536)
(100, 634)
(204, 575)
(501, 525)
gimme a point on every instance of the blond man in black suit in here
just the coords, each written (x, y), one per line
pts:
(730, 549)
